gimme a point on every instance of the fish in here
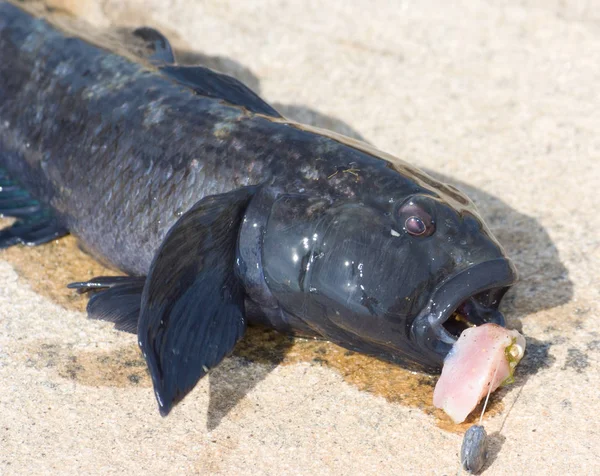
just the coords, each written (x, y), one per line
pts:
(222, 213)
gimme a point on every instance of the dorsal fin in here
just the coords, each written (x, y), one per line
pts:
(207, 82)
(144, 42)
(158, 48)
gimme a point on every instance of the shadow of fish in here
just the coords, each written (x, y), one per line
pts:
(223, 212)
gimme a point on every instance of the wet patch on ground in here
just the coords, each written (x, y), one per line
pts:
(48, 268)
(368, 374)
(123, 367)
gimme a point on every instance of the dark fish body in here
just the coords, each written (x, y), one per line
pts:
(126, 150)
(222, 211)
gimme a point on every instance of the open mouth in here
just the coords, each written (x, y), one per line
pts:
(470, 298)
(479, 309)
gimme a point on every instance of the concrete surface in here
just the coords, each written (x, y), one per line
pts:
(500, 98)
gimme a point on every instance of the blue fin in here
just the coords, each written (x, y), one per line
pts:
(158, 49)
(114, 298)
(35, 224)
(192, 311)
(207, 82)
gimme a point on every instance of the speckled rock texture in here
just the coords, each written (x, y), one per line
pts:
(498, 98)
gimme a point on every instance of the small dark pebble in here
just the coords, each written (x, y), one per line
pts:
(134, 363)
(576, 360)
(473, 452)
(594, 345)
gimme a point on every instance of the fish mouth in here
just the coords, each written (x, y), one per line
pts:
(469, 298)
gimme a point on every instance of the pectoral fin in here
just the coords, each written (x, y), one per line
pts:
(192, 307)
(35, 223)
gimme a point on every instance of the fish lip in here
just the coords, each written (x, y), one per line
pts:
(433, 340)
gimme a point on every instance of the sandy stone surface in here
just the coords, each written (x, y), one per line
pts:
(499, 98)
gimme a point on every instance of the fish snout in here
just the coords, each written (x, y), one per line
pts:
(469, 298)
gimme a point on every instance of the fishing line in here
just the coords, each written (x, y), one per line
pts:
(473, 451)
(489, 392)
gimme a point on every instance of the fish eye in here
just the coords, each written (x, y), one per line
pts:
(415, 226)
(415, 220)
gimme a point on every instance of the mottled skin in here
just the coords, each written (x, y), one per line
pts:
(119, 150)
(128, 150)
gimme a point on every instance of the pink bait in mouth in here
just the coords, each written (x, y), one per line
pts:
(483, 357)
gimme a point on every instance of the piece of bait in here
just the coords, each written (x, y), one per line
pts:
(482, 359)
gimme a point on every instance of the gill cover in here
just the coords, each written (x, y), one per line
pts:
(332, 265)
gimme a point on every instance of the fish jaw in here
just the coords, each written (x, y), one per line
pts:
(483, 286)
(483, 358)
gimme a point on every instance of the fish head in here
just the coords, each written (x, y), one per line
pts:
(389, 278)
(468, 271)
